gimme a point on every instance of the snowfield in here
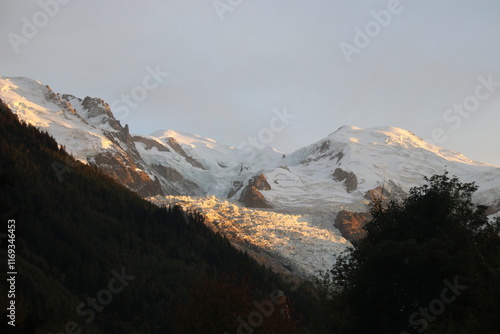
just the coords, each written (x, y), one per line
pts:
(306, 188)
(298, 241)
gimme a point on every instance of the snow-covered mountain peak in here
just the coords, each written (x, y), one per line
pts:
(220, 155)
(382, 135)
(85, 127)
(32, 97)
(390, 138)
(344, 128)
(23, 86)
(306, 191)
(187, 139)
(349, 142)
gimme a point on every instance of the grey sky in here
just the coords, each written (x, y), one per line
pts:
(227, 76)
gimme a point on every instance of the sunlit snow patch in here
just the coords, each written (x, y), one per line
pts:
(294, 240)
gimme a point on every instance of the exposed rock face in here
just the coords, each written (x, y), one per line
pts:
(237, 185)
(69, 97)
(125, 171)
(350, 224)
(252, 197)
(243, 168)
(177, 148)
(96, 107)
(260, 182)
(150, 143)
(285, 168)
(390, 191)
(174, 183)
(339, 155)
(58, 101)
(125, 165)
(349, 178)
(493, 208)
(320, 152)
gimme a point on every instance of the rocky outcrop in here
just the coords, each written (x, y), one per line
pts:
(125, 164)
(125, 171)
(96, 107)
(251, 196)
(389, 191)
(493, 208)
(318, 153)
(260, 182)
(177, 148)
(51, 96)
(150, 143)
(174, 183)
(351, 224)
(237, 185)
(349, 178)
(339, 155)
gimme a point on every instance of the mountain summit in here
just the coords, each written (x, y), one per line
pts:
(326, 188)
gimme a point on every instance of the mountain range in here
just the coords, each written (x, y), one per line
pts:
(294, 212)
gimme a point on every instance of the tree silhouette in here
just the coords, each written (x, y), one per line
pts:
(394, 280)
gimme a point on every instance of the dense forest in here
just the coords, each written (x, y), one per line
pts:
(94, 257)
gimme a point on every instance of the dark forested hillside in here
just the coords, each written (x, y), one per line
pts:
(93, 257)
(90, 256)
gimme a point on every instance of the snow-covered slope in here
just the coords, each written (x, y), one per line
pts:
(85, 127)
(368, 158)
(309, 187)
(296, 198)
(290, 239)
(36, 104)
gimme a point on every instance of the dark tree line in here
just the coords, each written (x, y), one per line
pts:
(76, 227)
(429, 265)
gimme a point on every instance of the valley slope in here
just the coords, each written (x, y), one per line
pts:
(281, 208)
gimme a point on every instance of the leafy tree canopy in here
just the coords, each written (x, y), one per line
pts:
(432, 263)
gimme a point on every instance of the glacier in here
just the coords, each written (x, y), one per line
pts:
(279, 208)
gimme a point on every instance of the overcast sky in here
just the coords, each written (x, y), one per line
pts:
(233, 64)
